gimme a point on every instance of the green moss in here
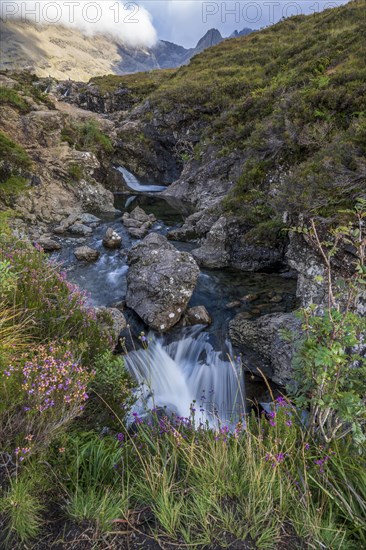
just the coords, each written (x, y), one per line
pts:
(267, 233)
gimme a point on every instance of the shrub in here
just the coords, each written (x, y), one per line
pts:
(41, 392)
(88, 137)
(75, 171)
(13, 158)
(112, 385)
(330, 366)
(58, 308)
(13, 185)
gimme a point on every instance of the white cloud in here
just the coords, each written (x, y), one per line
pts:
(125, 22)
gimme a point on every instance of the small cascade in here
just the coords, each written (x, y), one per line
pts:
(133, 183)
(188, 373)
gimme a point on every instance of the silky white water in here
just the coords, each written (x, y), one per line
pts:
(133, 183)
(187, 376)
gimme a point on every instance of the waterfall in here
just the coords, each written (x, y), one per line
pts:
(133, 183)
(188, 373)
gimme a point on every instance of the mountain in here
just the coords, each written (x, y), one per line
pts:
(66, 53)
(211, 38)
(243, 32)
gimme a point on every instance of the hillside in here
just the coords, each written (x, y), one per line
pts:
(67, 53)
(282, 111)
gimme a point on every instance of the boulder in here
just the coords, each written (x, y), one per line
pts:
(196, 226)
(48, 244)
(265, 346)
(111, 239)
(72, 219)
(233, 305)
(88, 218)
(138, 222)
(213, 251)
(116, 317)
(80, 229)
(86, 253)
(160, 281)
(197, 315)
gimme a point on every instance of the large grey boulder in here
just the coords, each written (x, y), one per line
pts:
(160, 281)
(303, 259)
(138, 222)
(226, 245)
(265, 346)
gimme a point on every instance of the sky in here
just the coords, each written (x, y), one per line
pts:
(142, 22)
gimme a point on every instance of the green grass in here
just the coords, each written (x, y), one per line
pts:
(22, 510)
(198, 485)
(13, 153)
(9, 96)
(30, 86)
(87, 137)
(13, 185)
(138, 85)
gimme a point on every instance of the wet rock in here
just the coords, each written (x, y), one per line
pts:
(113, 320)
(233, 305)
(138, 222)
(88, 219)
(59, 230)
(276, 299)
(196, 226)
(80, 229)
(269, 350)
(86, 253)
(111, 239)
(213, 251)
(160, 281)
(303, 259)
(72, 219)
(197, 315)
(48, 244)
(249, 298)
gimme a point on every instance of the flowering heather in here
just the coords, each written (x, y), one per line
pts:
(57, 306)
(51, 379)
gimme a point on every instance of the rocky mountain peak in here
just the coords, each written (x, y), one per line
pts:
(211, 38)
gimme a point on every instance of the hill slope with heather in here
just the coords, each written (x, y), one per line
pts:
(276, 118)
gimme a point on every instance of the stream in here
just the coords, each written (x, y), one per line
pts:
(189, 364)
